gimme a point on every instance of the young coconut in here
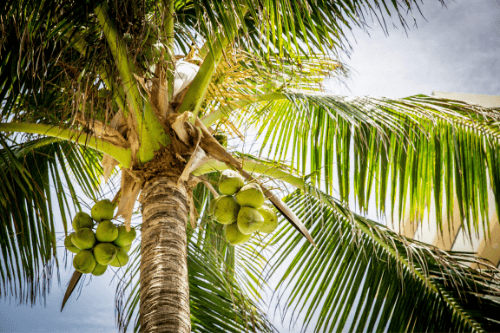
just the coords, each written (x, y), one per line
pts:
(270, 219)
(226, 210)
(121, 258)
(222, 138)
(124, 238)
(250, 195)
(230, 182)
(126, 248)
(105, 253)
(211, 207)
(99, 269)
(83, 239)
(249, 220)
(103, 210)
(68, 243)
(234, 236)
(82, 220)
(106, 231)
(84, 262)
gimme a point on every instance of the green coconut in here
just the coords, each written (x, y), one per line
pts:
(82, 220)
(270, 219)
(68, 243)
(103, 210)
(105, 253)
(99, 269)
(84, 239)
(84, 262)
(222, 138)
(250, 195)
(226, 210)
(211, 207)
(126, 248)
(230, 182)
(121, 258)
(234, 236)
(106, 231)
(249, 220)
(124, 238)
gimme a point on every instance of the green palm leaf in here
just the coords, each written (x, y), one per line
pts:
(365, 277)
(409, 152)
(284, 27)
(273, 31)
(38, 177)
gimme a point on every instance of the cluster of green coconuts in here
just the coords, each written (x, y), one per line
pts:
(241, 208)
(107, 245)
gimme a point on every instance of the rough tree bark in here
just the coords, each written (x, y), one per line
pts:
(164, 305)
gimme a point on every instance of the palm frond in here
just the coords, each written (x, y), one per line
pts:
(31, 46)
(241, 76)
(31, 172)
(365, 277)
(410, 152)
(42, 70)
(287, 28)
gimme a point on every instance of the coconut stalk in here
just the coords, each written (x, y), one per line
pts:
(121, 154)
(150, 130)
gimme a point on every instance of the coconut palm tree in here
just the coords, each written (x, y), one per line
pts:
(144, 92)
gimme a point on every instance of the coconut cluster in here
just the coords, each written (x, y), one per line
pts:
(95, 249)
(241, 208)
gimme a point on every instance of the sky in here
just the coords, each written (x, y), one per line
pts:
(454, 49)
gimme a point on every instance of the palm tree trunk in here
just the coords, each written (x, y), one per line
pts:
(164, 296)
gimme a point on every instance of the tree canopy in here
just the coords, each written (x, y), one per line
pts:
(88, 86)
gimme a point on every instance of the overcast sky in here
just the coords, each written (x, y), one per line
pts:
(456, 50)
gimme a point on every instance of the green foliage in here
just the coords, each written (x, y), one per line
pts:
(28, 239)
(365, 277)
(409, 152)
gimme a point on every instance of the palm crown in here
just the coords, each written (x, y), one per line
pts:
(147, 85)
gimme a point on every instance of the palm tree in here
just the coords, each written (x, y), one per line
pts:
(87, 87)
